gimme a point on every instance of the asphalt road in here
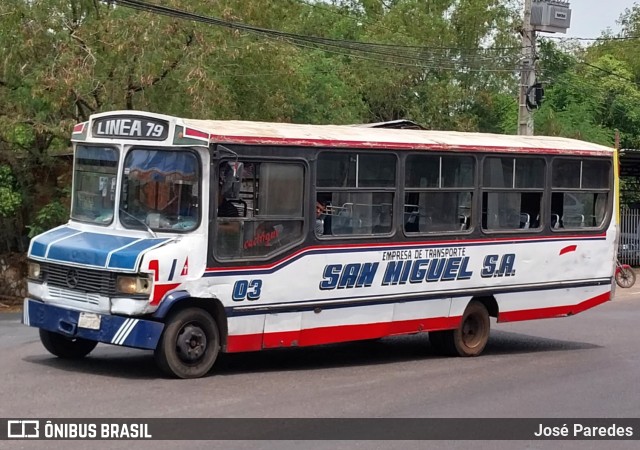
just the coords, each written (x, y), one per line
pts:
(582, 366)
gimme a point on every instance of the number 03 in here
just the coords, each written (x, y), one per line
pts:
(246, 289)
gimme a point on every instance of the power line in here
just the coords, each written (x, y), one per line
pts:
(437, 58)
(608, 72)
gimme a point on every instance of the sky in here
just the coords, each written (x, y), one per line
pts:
(590, 17)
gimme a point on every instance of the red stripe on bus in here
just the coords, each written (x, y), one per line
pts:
(195, 133)
(568, 249)
(78, 128)
(159, 290)
(244, 343)
(341, 333)
(554, 311)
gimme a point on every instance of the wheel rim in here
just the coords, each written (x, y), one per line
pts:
(624, 279)
(473, 331)
(191, 344)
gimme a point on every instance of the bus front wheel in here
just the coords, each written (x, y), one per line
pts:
(189, 344)
(471, 336)
(64, 347)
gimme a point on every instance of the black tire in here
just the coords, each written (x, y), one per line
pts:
(625, 277)
(189, 344)
(471, 336)
(65, 347)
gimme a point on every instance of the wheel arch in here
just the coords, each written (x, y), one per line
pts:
(177, 301)
(489, 302)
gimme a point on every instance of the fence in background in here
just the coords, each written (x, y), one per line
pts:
(629, 243)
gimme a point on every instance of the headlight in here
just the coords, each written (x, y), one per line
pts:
(33, 270)
(133, 285)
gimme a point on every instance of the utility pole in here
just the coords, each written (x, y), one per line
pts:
(527, 72)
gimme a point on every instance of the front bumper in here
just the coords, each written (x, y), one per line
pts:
(116, 330)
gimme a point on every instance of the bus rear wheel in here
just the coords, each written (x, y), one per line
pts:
(471, 336)
(65, 347)
(189, 344)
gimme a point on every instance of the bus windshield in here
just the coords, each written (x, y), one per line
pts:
(160, 190)
(94, 184)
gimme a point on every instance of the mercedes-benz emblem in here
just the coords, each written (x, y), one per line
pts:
(72, 279)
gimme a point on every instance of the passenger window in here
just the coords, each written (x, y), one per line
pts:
(263, 213)
(438, 193)
(355, 193)
(580, 193)
(512, 193)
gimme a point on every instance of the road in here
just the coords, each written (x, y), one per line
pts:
(582, 366)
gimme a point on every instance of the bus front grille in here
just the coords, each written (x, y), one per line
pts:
(88, 281)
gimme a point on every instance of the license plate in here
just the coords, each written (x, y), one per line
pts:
(89, 320)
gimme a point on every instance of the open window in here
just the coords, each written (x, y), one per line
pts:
(265, 215)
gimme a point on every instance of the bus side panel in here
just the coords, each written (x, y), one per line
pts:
(334, 294)
(245, 333)
(325, 326)
(553, 303)
(282, 330)
(427, 315)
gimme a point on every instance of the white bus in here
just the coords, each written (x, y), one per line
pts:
(191, 237)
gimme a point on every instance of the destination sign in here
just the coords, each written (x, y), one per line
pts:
(131, 127)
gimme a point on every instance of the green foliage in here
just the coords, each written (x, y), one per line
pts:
(49, 216)
(63, 60)
(10, 200)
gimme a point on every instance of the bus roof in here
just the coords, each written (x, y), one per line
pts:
(351, 136)
(267, 133)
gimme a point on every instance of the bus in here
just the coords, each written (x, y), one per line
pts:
(195, 237)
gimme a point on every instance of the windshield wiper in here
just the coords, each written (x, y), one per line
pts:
(140, 221)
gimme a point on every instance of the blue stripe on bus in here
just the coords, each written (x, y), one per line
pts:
(401, 245)
(127, 257)
(39, 244)
(377, 299)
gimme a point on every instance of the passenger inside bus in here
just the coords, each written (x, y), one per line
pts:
(323, 215)
(225, 187)
(229, 231)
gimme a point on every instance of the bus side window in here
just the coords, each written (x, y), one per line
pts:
(360, 190)
(580, 192)
(268, 211)
(513, 190)
(438, 193)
